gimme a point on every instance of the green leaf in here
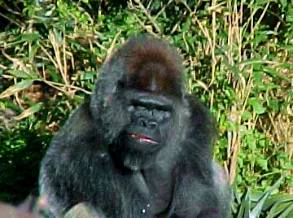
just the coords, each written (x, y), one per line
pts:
(280, 208)
(23, 74)
(258, 77)
(89, 75)
(246, 115)
(288, 212)
(28, 112)
(19, 74)
(274, 104)
(278, 198)
(259, 206)
(33, 51)
(257, 106)
(16, 88)
(262, 163)
(244, 210)
(30, 37)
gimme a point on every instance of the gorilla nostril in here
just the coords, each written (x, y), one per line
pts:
(142, 122)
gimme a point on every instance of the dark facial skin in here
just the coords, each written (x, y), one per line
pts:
(149, 117)
(141, 147)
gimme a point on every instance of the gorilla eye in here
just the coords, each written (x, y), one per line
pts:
(130, 108)
(167, 114)
(151, 105)
(140, 108)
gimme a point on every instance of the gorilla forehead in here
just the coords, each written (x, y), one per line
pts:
(143, 49)
(152, 65)
(154, 77)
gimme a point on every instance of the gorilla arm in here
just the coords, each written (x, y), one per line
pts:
(76, 129)
(201, 189)
(61, 168)
(78, 168)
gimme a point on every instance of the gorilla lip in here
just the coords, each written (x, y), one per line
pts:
(142, 138)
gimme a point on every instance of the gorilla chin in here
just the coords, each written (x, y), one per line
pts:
(135, 150)
(141, 147)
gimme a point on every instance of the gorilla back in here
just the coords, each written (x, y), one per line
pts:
(141, 147)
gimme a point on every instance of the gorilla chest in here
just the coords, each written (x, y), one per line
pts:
(155, 187)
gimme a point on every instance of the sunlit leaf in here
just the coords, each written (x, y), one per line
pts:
(257, 106)
(30, 37)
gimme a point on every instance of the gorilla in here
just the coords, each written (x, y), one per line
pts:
(140, 147)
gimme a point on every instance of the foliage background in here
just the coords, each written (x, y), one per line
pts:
(237, 56)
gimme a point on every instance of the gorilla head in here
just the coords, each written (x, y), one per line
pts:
(139, 102)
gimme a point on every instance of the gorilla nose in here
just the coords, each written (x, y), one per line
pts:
(143, 122)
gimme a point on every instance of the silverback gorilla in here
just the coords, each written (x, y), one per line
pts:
(140, 147)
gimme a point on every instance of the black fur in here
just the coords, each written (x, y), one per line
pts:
(97, 159)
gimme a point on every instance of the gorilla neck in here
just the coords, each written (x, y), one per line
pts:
(151, 172)
(131, 159)
(156, 183)
(137, 161)
(153, 179)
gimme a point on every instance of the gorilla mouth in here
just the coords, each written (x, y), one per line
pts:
(142, 138)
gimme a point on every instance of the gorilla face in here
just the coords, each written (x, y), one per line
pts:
(147, 127)
(150, 116)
